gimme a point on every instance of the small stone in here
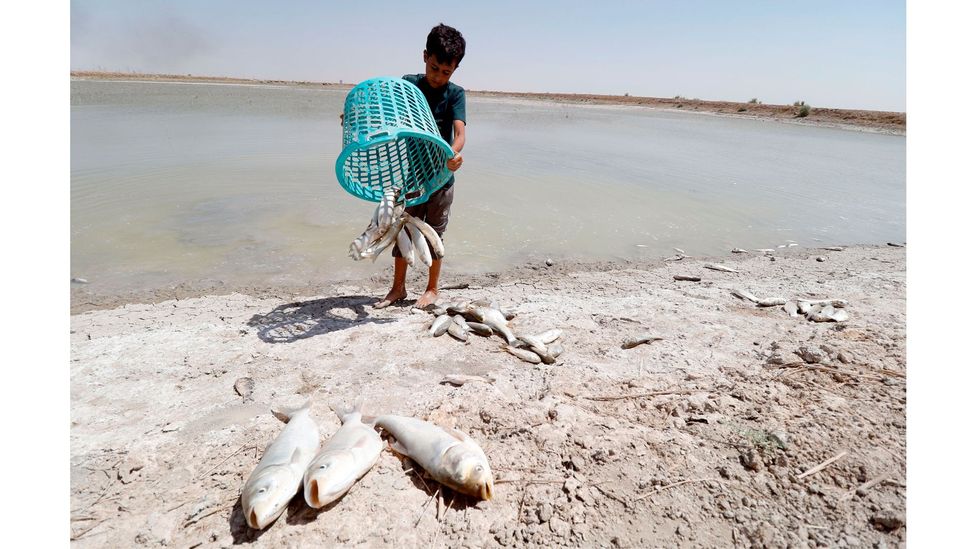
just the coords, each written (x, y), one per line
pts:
(821, 259)
(549, 262)
(780, 437)
(846, 357)
(571, 486)
(811, 355)
(545, 512)
(559, 527)
(777, 358)
(750, 460)
(888, 521)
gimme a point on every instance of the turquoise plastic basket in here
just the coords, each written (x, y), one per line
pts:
(389, 139)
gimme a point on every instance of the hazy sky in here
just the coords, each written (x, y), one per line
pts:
(827, 53)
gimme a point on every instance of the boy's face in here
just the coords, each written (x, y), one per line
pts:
(438, 73)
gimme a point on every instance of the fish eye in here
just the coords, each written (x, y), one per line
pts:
(479, 468)
(323, 466)
(262, 490)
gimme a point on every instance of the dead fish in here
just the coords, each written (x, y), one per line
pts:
(533, 343)
(524, 354)
(832, 248)
(496, 320)
(634, 342)
(791, 244)
(804, 306)
(549, 336)
(508, 313)
(678, 257)
(460, 379)
(679, 250)
(770, 302)
(766, 251)
(436, 244)
(836, 303)
(688, 278)
(821, 259)
(791, 308)
(437, 310)
(459, 320)
(828, 314)
(244, 386)
(348, 455)
(480, 329)
(457, 331)
(450, 456)
(79, 281)
(739, 251)
(892, 244)
(555, 350)
(278, 476)
(742, 294)
(459, 308)
(440, 325)
(717, 267)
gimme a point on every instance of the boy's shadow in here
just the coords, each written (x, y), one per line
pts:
(453, 501)
(304, 319)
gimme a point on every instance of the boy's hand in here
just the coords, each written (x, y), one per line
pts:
(454, 163)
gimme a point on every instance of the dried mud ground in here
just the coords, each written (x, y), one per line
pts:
(698, 440)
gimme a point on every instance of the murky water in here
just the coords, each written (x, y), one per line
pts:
(176, 183)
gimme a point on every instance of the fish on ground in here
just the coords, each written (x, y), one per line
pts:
(688, 278)
(450, 456)
(718, 267)
(635, 341)
(348, 455)
(460, 379)
(440, 325)
(524, 354)
(278, 476)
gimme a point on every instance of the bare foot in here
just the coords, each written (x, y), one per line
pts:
(430, 296)
(391, 298)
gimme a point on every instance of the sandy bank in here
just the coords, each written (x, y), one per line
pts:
(161, 444)
(880, 121)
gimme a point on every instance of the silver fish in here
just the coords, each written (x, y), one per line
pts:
(635, 341)
(791, 308)
(836, 303)
(717, 267)
(278, 476)
(437, 310)
(384, 213)
(496, 320)
(384, 242)
(440, 325)
(420, 244)
(688, 278)
(524, 354)
(451, 457)
(739, 251)
(436, 244)
(480, 329)
(406, 248)
(555, 350)
(460, 379)
(833, 248)
(345, 458)
(457, 331)
(743, 294)
(770, 302)
(549, 336)
(459, 320)
(533, 343)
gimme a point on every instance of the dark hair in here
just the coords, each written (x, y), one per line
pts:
(446, 44)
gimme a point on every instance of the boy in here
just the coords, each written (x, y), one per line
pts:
(443, 54)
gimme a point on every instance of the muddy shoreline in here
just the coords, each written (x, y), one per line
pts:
(880, 121)
(743, 426)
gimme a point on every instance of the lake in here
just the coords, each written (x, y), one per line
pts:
(183, 182)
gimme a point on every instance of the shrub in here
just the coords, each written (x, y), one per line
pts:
(742, 109)
(804, 110)
(754, 101)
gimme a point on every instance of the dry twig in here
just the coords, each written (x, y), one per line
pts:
(822, 466)
(640, 395)
(672, 485)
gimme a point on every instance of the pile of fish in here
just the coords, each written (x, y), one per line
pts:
(391, 223)
(293, 461)
(818, 310)
(486, 318)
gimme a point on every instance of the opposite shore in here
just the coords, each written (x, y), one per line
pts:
(878, 121)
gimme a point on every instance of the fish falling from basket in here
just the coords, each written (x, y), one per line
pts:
(392, 224)
(392, 153)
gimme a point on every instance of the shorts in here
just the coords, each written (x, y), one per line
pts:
(435, 212)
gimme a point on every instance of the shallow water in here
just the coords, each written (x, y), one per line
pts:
(174, 182)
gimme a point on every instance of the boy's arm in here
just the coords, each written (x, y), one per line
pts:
(454, 163)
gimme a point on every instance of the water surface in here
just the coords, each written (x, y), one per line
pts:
(182, 182)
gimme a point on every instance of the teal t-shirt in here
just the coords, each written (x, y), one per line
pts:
(447, 105)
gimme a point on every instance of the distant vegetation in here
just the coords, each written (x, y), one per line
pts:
(742, 109)
(804, 109)
(754, 100)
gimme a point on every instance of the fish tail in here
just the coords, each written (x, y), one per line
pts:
(344, 412)
(286, 414)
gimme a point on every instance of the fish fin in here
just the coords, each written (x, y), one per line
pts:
(296, 456)
(285, 414)
(398, 448)
(344, 411)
